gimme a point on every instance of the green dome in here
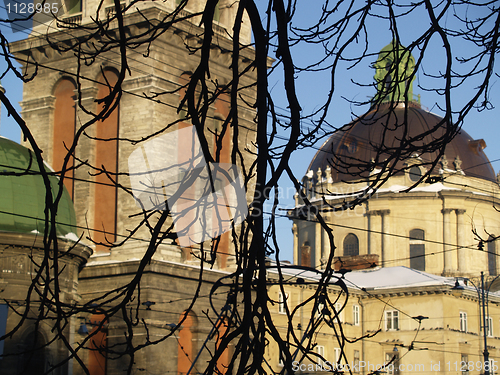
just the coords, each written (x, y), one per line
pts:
(22, 197)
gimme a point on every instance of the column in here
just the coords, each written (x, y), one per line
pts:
(295, 231)
(378, 226)
(384, 245)
(325, 247)
(447, 251)
(461, 250)
(318, 245)
(84, 200)
(369, 229)
(374, 234)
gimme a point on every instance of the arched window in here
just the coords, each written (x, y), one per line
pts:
(351, 245)
(183, 82)
(222, 109)
(186, 351)
(98, 345)
(492, 257)
(33, 360)
(417, 249)
(417, 234)
(305, 254)
(64, 128)
(106, 154)
(223, 361)
(222, 154)
(184, 154)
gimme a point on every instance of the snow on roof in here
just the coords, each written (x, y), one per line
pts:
(394, 277)
(72, 237)
(380, 278)
(435, 187)
(431, 188)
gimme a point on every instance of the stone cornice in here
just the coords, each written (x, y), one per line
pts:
(46, 102)
(108, 267)
(41, 48)
(405, 291)
(68, 248)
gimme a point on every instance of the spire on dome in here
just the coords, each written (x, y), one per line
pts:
(394, 74)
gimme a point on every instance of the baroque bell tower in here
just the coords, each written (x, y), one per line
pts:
(60, 104)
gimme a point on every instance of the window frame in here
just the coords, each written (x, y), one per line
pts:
(492, 257)
(489, 326)
(355, 315)
(463, 321)
(320, 350)
(464, 359)
(417, 248)
(356, 358)
(282, 302)
(338, 353)
(392, 316)
(340, 313)
(411, 175)
(350, 245)
(319, 309)
(394, 370)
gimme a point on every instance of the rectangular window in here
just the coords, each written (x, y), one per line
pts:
(489, 326)
(355, 315)
(337, 355)
(463, 321)
(392, 358)
(464, 364)
(319, 311)
(391, 320)
(492, 258)
(320, 350)
(282, 300)
(338, 308)
(417, 256)
(356, 361)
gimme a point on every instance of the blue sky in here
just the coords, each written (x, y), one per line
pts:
(311, 90)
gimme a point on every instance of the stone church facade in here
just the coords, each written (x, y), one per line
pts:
(443, 226)
(400, 255)
(107, 215)
(426, 229)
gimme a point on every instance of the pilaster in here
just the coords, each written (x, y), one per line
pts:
(447, 249)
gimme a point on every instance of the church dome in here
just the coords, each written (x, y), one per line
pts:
(395, 116)
(356, 144)
(433, 227)
(22, 201)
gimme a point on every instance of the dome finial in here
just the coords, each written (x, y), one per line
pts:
(394, 74)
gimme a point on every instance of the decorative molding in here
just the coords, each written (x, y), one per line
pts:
(41, 103)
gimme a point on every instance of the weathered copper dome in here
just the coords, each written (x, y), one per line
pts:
(399, 127)
(22, 198)
(357, 142)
